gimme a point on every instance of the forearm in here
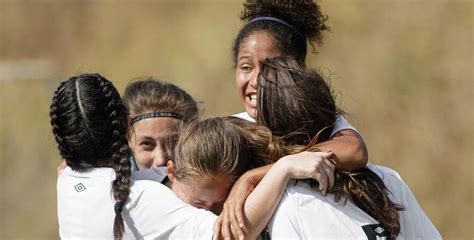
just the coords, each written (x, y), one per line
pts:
(256, 175)
(261, 203)
(350, 152)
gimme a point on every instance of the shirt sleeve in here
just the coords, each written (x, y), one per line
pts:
(413, 220)
(414, 223)
(342, 124)
(157, 213)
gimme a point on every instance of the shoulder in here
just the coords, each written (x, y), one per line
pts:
(384, 172)
(156, 212)
(342, 124)
(153, 174)
(245, 116)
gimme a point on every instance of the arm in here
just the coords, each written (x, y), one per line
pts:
(350, 151)
(261, 203)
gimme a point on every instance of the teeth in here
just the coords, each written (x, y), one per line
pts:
(253, 97)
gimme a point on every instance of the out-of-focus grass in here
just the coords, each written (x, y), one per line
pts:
(403, 70)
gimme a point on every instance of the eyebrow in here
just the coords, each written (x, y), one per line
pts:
(146, 138)
(243, 57)
(168, 134)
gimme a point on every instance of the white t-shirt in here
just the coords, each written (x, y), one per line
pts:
(303, 213)
(86, 209)
(414, 224)
(158, 174)
(340, 124)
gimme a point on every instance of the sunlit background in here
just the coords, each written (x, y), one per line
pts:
(403, 70)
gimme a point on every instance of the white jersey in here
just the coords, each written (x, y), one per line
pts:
(414, 224)
(86, 209)
(304, 213)
(158, 174)
(340, 124)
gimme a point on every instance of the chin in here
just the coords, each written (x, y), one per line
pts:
(252, 112)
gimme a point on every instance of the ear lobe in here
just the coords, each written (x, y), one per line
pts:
(170, 166)
(128, 119)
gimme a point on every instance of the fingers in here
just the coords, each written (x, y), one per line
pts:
(217, 228)
(328, 169)
(327, 155)
(239, 210)
(225, 227)
(322, 178)
(234, 223)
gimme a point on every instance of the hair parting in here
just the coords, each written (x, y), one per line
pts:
(88, 120)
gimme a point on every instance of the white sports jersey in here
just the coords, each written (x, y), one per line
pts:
(303, 213)
(340, 124)
(414, 224)
(158, 174)
(86, 209)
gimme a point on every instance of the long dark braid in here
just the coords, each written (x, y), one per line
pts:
(89, 124)
(120, 149)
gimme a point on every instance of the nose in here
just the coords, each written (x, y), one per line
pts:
(159, 158)
(254, 78)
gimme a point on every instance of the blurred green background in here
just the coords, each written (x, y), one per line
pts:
(403, 69)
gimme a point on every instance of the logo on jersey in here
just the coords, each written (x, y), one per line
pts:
(375, 232)
(79, 187)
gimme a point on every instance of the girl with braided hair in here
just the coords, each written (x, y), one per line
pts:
(89, 122)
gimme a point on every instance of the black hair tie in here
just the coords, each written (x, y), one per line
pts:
(118, 207)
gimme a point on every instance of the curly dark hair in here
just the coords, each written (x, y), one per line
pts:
(89, 124)
(304, 15)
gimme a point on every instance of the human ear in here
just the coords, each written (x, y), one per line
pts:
(170, 166)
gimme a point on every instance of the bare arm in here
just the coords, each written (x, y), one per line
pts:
(350, 152)
(261, 203)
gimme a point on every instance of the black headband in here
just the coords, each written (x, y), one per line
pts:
(156, 115)
(273, 19)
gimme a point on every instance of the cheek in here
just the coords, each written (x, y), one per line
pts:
(142, 158)
(241, 81)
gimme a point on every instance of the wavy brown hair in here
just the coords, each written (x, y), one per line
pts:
(210, 147)
(152, 95)
(297, 106)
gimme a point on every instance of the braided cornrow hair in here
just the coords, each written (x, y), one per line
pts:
(89, 124)
(305, 16)
(121, 151)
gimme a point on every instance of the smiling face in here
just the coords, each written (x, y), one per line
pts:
(254, 49)
(203, 192)
(148, 141)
